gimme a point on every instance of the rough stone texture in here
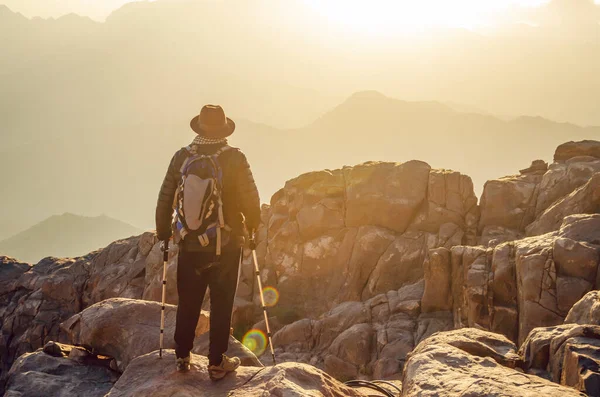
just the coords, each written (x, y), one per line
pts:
(568, 354)
(150, 375)
(586, 311)
(507, 206)
(563, 178)
(33, 302)
(362, 339)
(471, 363)
(125, 328)
(40, 374)
(119, 270)
(375, 258)
(536, 201)
(527, 283)
(358, 232)
(572, 149)
(583, 200)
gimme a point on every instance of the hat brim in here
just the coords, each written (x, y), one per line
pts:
(213, 132)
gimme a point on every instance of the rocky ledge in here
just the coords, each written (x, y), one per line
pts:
(384, 270)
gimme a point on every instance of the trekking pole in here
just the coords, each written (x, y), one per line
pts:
(164, 292)
(262, 298)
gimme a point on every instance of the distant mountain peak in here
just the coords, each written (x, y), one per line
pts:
(6, 12)
(66, 235)
(367, 95)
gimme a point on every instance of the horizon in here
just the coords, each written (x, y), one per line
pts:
(376, 17)
(446, 77)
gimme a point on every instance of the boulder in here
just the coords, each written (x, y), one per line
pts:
(563, 178)
(362, 339)
(449, 364)
(583, 200)
(586, 310)
(385, 194)
(150, 375)
(572, 149)
(507, 204)
(40, 374)
(119, 270)
(568, 354)
(528, 283)
(358, 232)
(125, 328)
(34, 301)
(437, 295)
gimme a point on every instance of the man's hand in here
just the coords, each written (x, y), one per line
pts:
(162, 243)
(252, 240)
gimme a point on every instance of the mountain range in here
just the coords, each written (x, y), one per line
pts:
(90, 113)
(65, 235)
(120, 171)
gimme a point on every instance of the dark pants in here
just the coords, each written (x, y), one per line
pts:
(192, 279)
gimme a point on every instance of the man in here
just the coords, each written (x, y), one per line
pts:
(208, 259)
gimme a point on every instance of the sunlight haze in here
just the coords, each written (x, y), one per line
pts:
(458, 84)
(360, 15)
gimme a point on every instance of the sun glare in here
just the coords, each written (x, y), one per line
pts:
(405, 16)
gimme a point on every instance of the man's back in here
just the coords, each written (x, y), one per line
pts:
(222, 189)
(239, 194)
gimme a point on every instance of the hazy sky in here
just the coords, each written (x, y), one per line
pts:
(354, 13)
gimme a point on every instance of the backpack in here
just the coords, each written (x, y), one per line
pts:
(198, 200)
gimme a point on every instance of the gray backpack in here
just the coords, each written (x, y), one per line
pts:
(198, 201)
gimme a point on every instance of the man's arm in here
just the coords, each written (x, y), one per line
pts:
(164, 206)
(249, 203)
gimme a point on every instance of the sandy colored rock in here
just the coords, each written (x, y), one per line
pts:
(563, 178)
(358, 232)
(572, 149)
(362, 339)
(40, 374)
(584, 200)
(438, 284)
(34, 301)
(125, 328)
(527, 283)
(119, 270)
(439, 368)
(508, 203)
(586, 310)
(150, 375)
(568, 354)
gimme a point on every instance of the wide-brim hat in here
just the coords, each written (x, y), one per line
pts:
(212, 123)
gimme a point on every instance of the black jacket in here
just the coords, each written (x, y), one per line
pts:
(240, 195)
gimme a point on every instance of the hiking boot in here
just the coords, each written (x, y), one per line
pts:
(218, 372)
(183, 364)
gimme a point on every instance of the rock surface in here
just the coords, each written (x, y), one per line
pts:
(362, 339)
(369, 261)
(527, 283)
(40, 374)
(125, 328)
(536, 201)
(586, 311)
(568, 354)
(461, 363)
(150, 375)
(354, 233)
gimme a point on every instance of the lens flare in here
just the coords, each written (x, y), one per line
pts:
(271, 296)
(256, 341)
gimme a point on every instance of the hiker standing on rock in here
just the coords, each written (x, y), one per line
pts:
(206, 194)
